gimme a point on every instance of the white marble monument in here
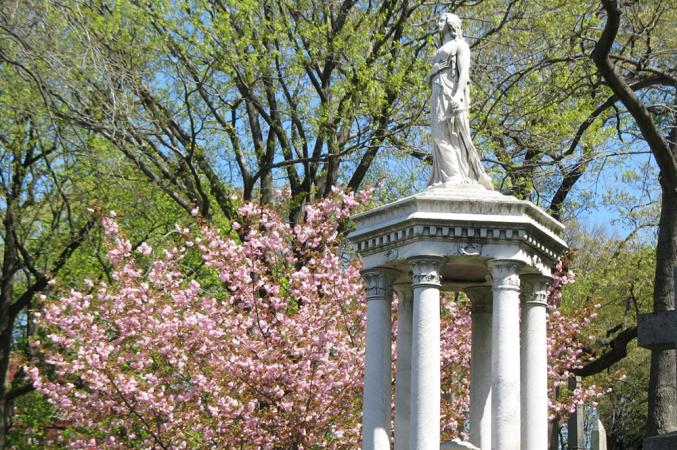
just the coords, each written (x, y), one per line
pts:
(458, 235)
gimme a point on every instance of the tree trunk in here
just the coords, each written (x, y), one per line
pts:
(662, 417)
(554, 435)
(4, 409)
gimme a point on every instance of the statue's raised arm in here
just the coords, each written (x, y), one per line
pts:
(455, 159)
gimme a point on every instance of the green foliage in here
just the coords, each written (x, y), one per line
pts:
(32, 420)
(617, 275)
(155, 107)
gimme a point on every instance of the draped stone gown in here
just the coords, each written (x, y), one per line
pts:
(455, 159)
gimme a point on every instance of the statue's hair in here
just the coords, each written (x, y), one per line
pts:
(454, 22)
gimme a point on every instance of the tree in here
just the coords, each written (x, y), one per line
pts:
(263, 350)
(254, 337)
(42, 225)
(618, 275)
(615, 68)
(207, 98)
(49, 176)
(300, 89)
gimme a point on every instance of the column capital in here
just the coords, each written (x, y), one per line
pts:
(505, 274)
(481, 298)
(378, 282)
(403, 290)
(534, 287)
(426, 270)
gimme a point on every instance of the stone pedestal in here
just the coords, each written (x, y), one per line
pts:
(666, 441)
(462, 239)
(598, 437)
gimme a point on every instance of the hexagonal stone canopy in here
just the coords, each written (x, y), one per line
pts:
(500, 251)
(467, 225)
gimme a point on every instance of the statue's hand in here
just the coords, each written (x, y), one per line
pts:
(455, 106)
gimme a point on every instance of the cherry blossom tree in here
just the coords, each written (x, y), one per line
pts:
(250, 337)
(264, 350)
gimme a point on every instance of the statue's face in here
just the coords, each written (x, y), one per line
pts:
(441, 24)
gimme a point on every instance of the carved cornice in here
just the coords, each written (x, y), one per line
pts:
(469, 238)
(468, 200)
(504, 274)
(426, 271)
(378, 283)
(468, 220)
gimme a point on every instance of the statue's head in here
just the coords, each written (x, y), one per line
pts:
(453, 22)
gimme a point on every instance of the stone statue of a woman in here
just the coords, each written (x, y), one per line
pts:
(455, 159)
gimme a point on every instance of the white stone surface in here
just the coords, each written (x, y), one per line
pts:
(465, 221)
(480, 366)
(505, 358)
(598, 436)
(457, 444)
(403, 371)
(534, 362)
(377, 379)
(455, 159)
(425, 355)
(454, 239)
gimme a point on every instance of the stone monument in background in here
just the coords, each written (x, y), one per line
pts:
(457, 235)
(658, 331)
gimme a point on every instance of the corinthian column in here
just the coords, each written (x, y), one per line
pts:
(505, 358)
(376, 415)
(480, 366)
(534, 362)
(425, 354)
(403, 371)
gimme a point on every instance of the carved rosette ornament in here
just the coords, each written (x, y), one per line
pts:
(504, 274)
(535, 289)
(378, 283)
(426, 271)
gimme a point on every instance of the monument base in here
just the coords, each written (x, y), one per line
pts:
(457, 444)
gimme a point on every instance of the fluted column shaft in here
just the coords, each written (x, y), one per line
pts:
(425, 355)
(505, 358)
(480, 366)
(376, 415)
(534, 362)
(403, 370)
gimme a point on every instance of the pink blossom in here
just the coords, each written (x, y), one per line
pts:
(272, 355)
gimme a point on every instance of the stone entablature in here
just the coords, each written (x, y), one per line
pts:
(464, 221)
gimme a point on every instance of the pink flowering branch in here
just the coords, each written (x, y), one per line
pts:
(250, 338)
(262, 348)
